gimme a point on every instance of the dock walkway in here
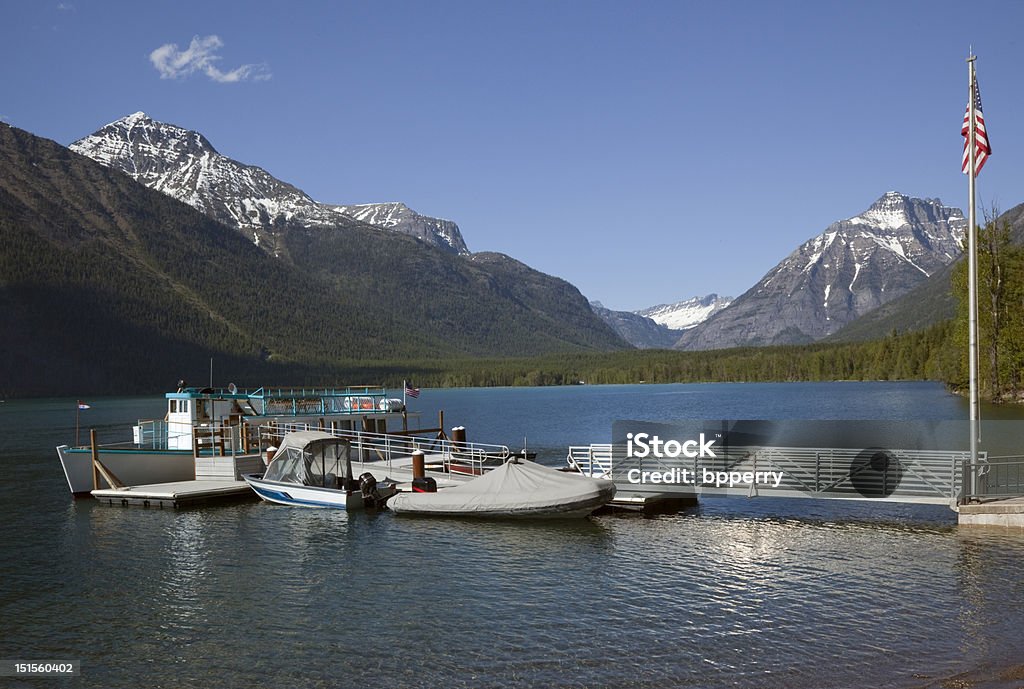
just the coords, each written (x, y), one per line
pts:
(176, 494)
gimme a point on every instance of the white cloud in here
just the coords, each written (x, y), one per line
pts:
(174, 63)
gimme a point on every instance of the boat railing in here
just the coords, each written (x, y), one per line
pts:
(147, 434)
(231, 437)
(299, 401)
(591, 460)
(395, 449)
(158, 434)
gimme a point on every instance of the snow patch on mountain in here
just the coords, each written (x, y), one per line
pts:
(396, 215)
(683, 315)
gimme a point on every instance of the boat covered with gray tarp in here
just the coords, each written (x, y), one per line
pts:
(518, 488)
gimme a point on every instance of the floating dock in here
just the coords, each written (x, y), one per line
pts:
(176, 494)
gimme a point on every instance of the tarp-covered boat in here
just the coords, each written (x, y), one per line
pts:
(518, 488)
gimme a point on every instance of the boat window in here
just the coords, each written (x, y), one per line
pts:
(318, 465)
(174, 407)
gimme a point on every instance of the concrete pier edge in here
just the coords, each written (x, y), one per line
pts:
(1007, 513)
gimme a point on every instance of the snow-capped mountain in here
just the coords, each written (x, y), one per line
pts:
(852, 267)
(184, 165)
(659, 327)
(684, 315)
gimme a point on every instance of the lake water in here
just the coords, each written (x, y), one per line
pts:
(732, 593)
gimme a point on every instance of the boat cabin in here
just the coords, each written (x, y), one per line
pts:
(198, 411)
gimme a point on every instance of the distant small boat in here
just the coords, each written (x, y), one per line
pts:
(518, 488)
(314, 469)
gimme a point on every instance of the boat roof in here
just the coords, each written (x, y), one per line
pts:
(302, 439)
(233, 392)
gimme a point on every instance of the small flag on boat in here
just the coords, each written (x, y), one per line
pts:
(83, 405)
(411, 391)
(981, 146)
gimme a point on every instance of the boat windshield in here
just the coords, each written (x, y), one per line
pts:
(318, 461)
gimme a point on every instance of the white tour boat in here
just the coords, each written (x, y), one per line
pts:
(204, 425)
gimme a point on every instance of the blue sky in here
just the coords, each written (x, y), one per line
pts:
(646, 152)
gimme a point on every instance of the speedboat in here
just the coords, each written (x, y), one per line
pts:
(314, 469)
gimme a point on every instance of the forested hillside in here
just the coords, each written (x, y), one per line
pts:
(107, 286)
(922, 355)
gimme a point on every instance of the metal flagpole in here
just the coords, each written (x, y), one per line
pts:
(972, 273)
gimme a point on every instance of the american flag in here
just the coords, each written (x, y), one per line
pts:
(982, 149)
(410, 391)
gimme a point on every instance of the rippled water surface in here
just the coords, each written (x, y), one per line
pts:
(733, 593)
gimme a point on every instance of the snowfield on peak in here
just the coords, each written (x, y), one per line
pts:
(683, 315)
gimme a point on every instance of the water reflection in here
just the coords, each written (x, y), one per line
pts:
(763, 599)
(744, 593)
(987, 562)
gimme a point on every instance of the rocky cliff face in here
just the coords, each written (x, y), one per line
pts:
(640, 331)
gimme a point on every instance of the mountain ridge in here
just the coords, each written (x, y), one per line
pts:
(185, 165)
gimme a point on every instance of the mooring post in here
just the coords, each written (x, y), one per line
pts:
(95, 459)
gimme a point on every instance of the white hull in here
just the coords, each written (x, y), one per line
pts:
(305, 496)
(132, 467)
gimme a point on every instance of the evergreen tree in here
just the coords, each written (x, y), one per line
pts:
(1000, 313)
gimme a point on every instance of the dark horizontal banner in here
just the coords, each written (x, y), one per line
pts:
(823, 458)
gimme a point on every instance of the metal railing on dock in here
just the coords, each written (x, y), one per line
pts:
(592, 460)
(446, 456)
(997, 477)
(917, 476)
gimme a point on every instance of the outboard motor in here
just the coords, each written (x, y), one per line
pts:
(372, 495)
(367, 485)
